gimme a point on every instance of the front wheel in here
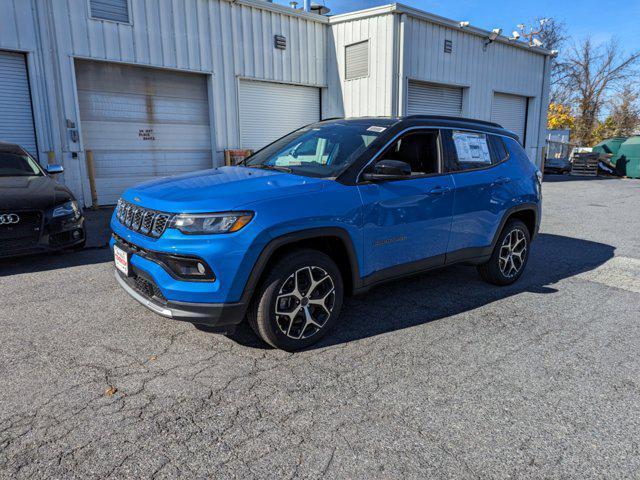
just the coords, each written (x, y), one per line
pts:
(299, 301)
(509, 256)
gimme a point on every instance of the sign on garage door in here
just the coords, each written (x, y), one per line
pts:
(510, 111)
(141, 124)
(16, 116)
(269, 111)
(428, 99)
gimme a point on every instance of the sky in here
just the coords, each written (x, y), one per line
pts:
(602, 20)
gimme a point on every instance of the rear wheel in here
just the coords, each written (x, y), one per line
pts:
(509, 256)
(299, 301)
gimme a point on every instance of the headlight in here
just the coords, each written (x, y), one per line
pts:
(210, 223)
(69, 208)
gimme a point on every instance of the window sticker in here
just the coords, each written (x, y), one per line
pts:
(377, 129)
(472, 147)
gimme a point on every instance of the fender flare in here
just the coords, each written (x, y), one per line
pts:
(517, 208)
(288, 238)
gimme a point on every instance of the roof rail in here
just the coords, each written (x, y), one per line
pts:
(458, 119)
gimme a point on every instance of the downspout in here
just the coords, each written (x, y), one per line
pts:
(398, 106)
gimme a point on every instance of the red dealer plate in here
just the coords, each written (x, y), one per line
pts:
(121, 259)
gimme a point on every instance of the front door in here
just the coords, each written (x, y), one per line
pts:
(407, 222)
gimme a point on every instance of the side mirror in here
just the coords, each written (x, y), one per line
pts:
(388, 170)
(54, 169)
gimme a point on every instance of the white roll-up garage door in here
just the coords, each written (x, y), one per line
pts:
(428, 99)
(510, 111)
(269, 111)
(16, 116)
(141, 124)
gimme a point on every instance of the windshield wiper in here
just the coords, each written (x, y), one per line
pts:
(279, 168)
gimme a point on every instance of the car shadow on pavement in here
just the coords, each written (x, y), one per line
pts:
(54, 260)
(450, 291)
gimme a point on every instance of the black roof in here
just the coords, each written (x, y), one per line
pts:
(431, 120)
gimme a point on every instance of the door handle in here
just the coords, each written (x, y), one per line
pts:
(501, 181)
(439, 190)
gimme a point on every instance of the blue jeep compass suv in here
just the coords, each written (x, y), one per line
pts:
(329, 210)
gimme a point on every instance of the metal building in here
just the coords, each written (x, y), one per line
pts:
(121, 91)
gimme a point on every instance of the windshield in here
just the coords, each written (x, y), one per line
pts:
(16, 165)
(320, 150)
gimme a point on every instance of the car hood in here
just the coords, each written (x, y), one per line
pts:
(31, 193)
(218, 189)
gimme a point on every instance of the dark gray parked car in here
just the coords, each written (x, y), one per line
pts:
(37, 214)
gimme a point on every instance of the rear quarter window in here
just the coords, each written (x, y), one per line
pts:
(499, 151)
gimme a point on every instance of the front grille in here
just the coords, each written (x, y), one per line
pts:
(142, 220)
(23, 234)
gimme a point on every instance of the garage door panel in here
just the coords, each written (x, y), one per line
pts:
(125, 79)
(146, 136)
(429, 99)
(136, 107)
(142, 124)
(269, 111)
(510, 111)
(16, 116)
(140, 164)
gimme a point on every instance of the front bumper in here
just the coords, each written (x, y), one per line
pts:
(51, 235)
(221, 316)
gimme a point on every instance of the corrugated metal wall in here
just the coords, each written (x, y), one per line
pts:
(20, 31)
(211, 36)
(499, 68)
(405, 47)
(223, 39)
(370, 95)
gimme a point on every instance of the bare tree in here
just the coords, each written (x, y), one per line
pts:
(626, 112)
(553, 35)
(590, 73)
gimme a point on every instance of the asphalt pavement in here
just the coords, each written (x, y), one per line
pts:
(439, 376)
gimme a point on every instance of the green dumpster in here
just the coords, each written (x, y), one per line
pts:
(610, 145)
(628, 157)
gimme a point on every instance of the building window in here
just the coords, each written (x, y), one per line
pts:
(357, 60)
(113, 10)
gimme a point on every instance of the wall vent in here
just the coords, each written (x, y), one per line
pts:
(113, 10)
(356, 63)
(448, 46)
(280, 42)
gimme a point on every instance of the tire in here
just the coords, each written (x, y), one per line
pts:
(286, 325)
(514, 243)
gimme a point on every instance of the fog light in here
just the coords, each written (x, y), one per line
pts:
(187, 267)
(76, 234)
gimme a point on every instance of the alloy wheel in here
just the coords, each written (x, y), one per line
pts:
(513, 252)
(305, 302)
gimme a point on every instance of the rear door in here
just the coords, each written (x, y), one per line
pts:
(478, 163)
(407, 222)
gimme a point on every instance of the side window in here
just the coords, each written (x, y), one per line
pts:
(471, 151)
(418, 149)
(498, 149)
